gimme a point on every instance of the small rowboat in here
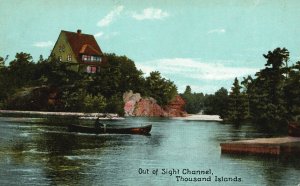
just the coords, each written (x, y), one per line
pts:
(110, 130)
(294, 129)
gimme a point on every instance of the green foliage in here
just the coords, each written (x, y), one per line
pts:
(217, 103)
(73, 100)
(28, 99)
(194, 101)
(115, 105)
(269, 99)
(268, 106)
(119, 76)
(122, 74)
(1, 62)
(160, 89)
(52, 72)
(4, 84)
(94, 103)
(76, 91)
(21, 70)
(292, 92)
(238, 104)
(76, 99)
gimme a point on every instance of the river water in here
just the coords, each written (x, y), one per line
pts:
(35, 153)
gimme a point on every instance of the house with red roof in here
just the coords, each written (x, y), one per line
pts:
(80, 50)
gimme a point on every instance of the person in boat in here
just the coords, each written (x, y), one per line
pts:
(107, 115)
(99, 125)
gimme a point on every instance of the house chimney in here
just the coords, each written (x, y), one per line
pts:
(79, 31)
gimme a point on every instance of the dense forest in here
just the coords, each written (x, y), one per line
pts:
(50, 85)
(270, 99)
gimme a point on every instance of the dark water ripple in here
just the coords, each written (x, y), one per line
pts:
(36, 153)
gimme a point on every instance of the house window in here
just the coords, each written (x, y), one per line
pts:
(84, 57)
(88, 58)
(91, 69)
(91, 58)
(61, 48)
(96, 58)
(69, 58)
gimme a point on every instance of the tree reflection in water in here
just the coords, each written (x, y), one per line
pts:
(59, 167)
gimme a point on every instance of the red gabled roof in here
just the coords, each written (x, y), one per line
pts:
(88, 50)
(83, 44)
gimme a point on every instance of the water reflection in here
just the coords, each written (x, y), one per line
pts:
(58, 167)
(273, 169)
(48, 154)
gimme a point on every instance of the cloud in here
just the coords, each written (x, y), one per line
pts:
(111, 16)
(196, 69)
(217, 31)
(150, 13)
(103, 35)
(203, 75)
(99, 34)
(43, 44)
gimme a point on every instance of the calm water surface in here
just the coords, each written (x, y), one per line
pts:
(35, 153)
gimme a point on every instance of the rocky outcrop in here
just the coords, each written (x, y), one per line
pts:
(176, 107)
(41, 98)
(135, 105)
(130, 99)
(148, 107)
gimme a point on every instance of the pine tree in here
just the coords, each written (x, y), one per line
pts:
(266, 96)
(238, 105)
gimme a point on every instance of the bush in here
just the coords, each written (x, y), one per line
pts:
(94, 103)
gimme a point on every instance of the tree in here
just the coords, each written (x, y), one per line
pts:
(94, 103)
(292, 92)
(21, 69)
(160, 89)
(274, 72)
(4, 82)
(78, 91)
(194, 101)
(55, 73)
(238, 105)
(188, 90)
(115, 104)
(267, 103)
(1, 62)
(221, 102)
(217, 103)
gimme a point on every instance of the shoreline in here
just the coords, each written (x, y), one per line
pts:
(199, 117)
(62, 114)
(82, 115)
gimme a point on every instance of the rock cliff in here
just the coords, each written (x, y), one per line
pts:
(135, 105)
(176, 107)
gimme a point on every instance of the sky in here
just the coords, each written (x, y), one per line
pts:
(201, 43)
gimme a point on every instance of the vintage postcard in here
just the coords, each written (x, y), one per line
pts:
(160, 92)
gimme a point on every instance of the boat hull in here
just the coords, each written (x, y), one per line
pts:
(110, 130)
